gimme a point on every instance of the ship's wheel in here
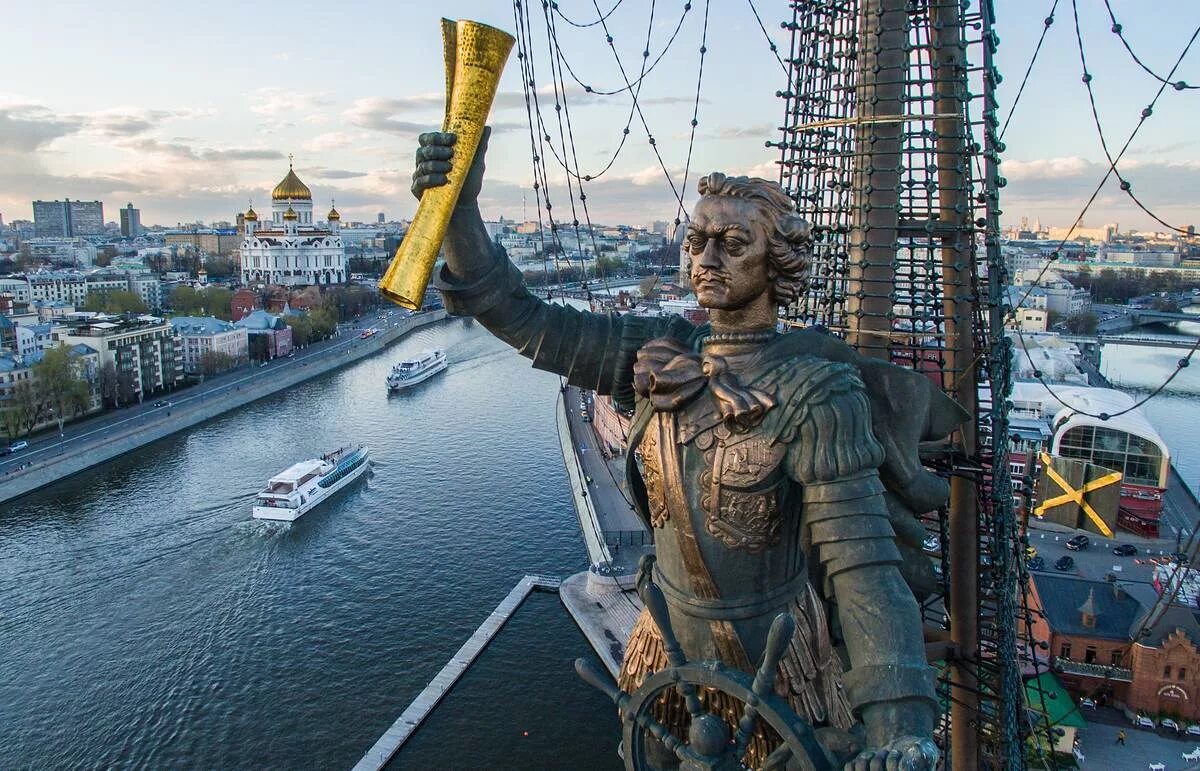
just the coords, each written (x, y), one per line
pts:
(709, 744)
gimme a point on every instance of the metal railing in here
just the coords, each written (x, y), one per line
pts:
(1108, 672)
(628, 537)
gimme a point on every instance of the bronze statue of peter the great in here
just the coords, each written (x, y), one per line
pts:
(780, 471)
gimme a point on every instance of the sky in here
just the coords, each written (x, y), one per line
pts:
(190, 111)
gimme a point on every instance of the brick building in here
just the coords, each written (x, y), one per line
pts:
(1091, 626)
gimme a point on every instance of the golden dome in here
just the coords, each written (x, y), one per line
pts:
(333, 215)
(291, 189)
(250, 215)
(290, 214)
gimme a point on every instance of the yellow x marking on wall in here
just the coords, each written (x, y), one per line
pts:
(1071, 494)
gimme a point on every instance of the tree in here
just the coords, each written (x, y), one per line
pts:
(115, 301)
(302, 330)
(184, 300)
(22, 413)
(322, 323)
(105, 256)
(1165, 304)
(215, 362)
(108, 384)
(126, 388)
(611, 266)
(220, 267)
(1081, 323)
(219, 301)
(62, 392)
(648, 286)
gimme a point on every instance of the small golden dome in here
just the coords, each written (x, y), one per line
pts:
(251, 216)
(291, 214)
(333, 215)
(291, 189)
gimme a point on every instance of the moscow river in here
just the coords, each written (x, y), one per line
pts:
(147, 620)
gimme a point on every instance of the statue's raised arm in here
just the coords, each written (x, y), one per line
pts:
(591, 350)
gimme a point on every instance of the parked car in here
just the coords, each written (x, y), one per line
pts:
(1125, 550)
(1193, 729)
(1142, 721)
(1087, 704)
(1065, 562)
(932, 543)
(1030, 552)
(1169, 723)
(18, 446)
(1078, 543)
(1037, 563)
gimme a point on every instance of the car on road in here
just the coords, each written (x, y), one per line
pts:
(1078, 543)
(1087, 703)
(1180, 557)
(1037, 563)
(1065, 562)
(18, 446)
(1125, 550)
(265, 363)
(1142, 721)
(1030, 552)
(932, 543)
(160, 403)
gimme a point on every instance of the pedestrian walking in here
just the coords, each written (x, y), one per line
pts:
(1121, 738)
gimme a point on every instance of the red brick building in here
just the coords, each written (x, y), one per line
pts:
(1091, 625)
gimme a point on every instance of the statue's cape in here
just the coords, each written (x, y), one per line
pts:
(907, 408)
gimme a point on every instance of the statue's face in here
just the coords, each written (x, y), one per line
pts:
(728, 243)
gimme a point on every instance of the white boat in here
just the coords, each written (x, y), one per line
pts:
(294, 491)
(416, 370)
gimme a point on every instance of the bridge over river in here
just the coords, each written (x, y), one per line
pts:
(1114, 319)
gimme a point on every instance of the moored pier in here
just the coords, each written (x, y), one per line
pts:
(412, 717)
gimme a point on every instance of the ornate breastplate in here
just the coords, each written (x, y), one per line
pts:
(738, 483)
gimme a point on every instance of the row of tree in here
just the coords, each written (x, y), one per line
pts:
(318, 324)
(59, 390)
(211, 301)
(1119, 287)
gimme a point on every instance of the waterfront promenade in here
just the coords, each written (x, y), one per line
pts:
(90, 442)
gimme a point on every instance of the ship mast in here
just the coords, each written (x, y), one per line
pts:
(878, 149)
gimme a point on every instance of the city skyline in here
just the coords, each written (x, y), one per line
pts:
(201, 138)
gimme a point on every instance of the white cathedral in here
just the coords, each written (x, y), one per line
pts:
(291, 249)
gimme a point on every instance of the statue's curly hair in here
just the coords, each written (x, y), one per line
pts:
(789, 236)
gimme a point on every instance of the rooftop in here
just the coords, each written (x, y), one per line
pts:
(1062, 596)
(201, 325)
(260, 320)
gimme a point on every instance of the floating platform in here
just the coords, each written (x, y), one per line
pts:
(408, 722)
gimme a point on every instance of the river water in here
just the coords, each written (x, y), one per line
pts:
(146, 620)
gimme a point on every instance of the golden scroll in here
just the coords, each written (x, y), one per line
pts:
(475, 57)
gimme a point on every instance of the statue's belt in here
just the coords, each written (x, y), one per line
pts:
(743, 607)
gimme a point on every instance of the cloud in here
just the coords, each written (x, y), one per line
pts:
(390, 116)
(279, 101)
(333, 140)
(321, 172)
(757, 131)
(26, 128)
(186, 152)
(1056, 189)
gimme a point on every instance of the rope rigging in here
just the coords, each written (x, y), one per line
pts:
(1125, 185)
(1118, 29)
(1112, 169)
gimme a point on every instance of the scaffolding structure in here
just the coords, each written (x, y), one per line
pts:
(889, 147)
